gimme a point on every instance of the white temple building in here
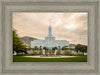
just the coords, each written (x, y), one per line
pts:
(49, 41)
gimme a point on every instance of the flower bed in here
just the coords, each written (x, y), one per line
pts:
(49, 54)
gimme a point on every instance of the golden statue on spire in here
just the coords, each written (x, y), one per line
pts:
(49, 21)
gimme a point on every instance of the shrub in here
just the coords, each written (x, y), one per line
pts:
(40, 53)
(58, 53)
(23, 54)
(79, 55)
(66, 52)
(35, 53)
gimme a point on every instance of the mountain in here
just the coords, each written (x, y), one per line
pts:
(27, 40)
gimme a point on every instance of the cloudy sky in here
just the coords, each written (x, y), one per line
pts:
(65, 26)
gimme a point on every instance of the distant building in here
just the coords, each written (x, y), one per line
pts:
(49, 41)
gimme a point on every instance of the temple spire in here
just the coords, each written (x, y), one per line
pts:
(50, 29)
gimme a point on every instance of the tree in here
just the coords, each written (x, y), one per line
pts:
(29, 48)
(54, 48)
(71, 48)
(40, 50)
(84, 49)
(36, 48)
(44, 48)
(18, 45)
(64, 48)
(58, 52)
(81, 48)
(78, 47)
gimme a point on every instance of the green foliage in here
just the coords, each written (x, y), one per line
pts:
(29, 48)
(71, 48)
(17, 43)
(44, 48)
(35, 48)
(58, 52)
(23, 54)
(78, 47)
(40, 48)
(54, 48)
(35, 53)
(64, 48)
(67, 53)
(78, 55)
(40, 53)
(81, 48)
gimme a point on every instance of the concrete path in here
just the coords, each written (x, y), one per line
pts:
(50, 56)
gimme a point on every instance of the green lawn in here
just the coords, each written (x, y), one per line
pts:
(28, 59)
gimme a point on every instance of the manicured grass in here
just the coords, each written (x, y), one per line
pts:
(28, 59)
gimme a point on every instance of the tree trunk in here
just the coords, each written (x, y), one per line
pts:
(83, 53)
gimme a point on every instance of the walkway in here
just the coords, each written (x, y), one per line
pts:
(50, 56)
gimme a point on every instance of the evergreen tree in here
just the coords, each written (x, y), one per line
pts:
(17, 43)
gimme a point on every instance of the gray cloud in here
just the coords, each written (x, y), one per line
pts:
(65, 26)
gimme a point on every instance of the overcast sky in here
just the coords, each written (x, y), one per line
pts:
(65, 26)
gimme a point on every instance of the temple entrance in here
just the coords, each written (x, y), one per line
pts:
(49, 52)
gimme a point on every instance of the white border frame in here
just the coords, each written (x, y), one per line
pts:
(49, 67)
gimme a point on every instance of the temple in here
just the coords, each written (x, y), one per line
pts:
(49, 41)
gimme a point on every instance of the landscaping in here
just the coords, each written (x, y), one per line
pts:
(28, 59)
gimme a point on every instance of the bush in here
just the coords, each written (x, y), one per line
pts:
(58, 53)
(35, 53)
(40, 53)
(67, 53)
(73, 54)
(79, 55)
(23, 54)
